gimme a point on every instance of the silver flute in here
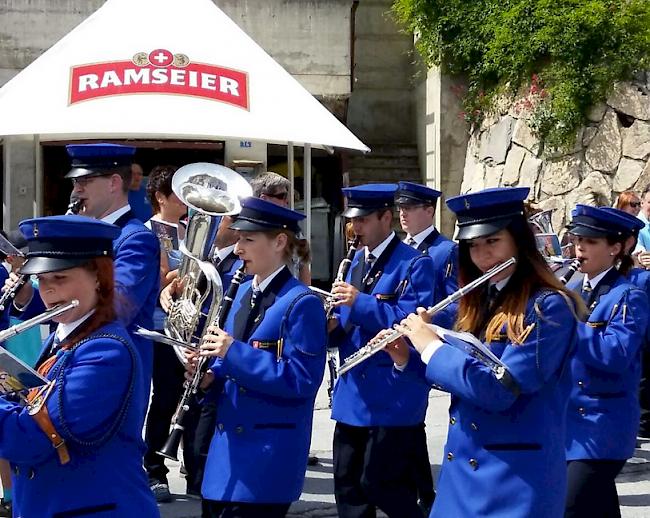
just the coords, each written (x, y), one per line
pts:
(38, 319)
(373, 347)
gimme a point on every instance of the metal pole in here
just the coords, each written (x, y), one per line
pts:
(290, 160)
(39, 180)
(306, 175)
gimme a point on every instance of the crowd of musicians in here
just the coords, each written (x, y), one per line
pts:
(541, 430)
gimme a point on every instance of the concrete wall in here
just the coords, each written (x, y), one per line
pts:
(381, 108)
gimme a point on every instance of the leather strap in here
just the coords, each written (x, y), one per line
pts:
(42, 418)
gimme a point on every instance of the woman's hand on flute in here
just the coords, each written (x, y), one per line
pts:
(398, 349)
(415, 327)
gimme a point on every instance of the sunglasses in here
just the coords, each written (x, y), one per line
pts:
(278, 195)
(635, 204)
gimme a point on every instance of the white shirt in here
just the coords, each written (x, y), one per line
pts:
(65, 330)
(261, 286)
(379, 249)
(594, 282)
(114, 216)
(222, 253)
(420, 236)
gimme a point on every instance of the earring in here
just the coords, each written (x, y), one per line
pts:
(611, 253)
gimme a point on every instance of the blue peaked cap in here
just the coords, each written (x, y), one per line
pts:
(366, 199)
(409, 193)
(634, 223)
(259, 215)
(98, 159)
(60, 242)
(485, 212)
(590, 221)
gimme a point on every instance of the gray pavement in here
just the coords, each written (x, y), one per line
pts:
(317, 499)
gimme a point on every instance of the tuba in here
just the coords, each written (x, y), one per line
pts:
(210, 191)
(541, 222)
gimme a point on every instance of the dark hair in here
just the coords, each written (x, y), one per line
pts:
(530, 275)
(625, 261)
(160, 180)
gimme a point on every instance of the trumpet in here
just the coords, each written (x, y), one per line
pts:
(373, 347)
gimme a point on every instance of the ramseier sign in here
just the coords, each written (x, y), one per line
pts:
(160, 71)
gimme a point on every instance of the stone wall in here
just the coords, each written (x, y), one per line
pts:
(611, 154)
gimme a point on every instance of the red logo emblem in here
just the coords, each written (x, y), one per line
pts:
(159, 71)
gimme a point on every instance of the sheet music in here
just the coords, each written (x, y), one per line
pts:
(7, 248)
(16, 376)
(469, 339)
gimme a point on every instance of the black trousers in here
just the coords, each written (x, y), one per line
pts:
(201, 421)
(168, 378)
(423, 477)
(644, 394)
(591, 489)
(374, 467)
(217, 509)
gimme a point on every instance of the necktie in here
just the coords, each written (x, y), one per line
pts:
(55, 344)
(411, 242)
(493, 293)
(586, 291)
(370, 260)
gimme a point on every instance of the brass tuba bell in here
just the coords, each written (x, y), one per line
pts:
(210, 191)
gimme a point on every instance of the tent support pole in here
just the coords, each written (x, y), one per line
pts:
(39, 179)
(292, 187)
(306, 175)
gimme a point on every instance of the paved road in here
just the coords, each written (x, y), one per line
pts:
(317, 500)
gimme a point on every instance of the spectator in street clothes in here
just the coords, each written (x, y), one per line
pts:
(138, 199)
(629, 202)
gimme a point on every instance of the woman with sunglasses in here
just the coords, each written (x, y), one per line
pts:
(505, 445)
(79, 452)
(629, 202)
(603, 415)
(269, 363)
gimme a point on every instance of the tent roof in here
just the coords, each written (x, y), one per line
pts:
(110, 77)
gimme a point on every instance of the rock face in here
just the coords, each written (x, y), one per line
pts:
(611, 155)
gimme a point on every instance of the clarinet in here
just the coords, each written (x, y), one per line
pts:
(573, 268)
(8, 295)
(341, 274)
(170, 449)
(75, 205)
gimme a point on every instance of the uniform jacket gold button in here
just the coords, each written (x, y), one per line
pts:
(452, 420)
(220, 426)
(450, 456)
(474, 464)
(581, 411)
(581, 383)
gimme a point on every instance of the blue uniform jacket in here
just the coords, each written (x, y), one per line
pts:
(136, 256)
(505, 449)
(94, 408)
(369, 394)
(271, 375)
(444, 253)
(603, 415)
(641, 279)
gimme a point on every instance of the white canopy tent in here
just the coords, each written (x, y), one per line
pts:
(165, 69)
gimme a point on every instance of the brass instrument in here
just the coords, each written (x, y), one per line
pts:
(542, 222)
(170, 448)
(210, 191)
(373, 347)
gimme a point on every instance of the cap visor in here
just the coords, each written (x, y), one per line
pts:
(579, 230)
(357, 212)
(36, 265)
(80, 172)
(482, 229)
(406, 200)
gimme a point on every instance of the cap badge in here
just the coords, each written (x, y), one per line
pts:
(35, 230)
(466, 203)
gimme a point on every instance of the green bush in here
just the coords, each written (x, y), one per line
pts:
(559, 56)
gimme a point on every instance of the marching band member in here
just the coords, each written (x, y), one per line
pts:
(101, 177)
(505, 444)
(417, 208)
(603, 415)
(378, 417)
(81, 453)
(269, 363)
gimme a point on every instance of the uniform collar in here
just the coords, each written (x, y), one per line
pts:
(379, 249)
(594, 282)
(502, 283)
(261, 286)
(65, 330)
(224, 252)
(421, 236)
(114, 216)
